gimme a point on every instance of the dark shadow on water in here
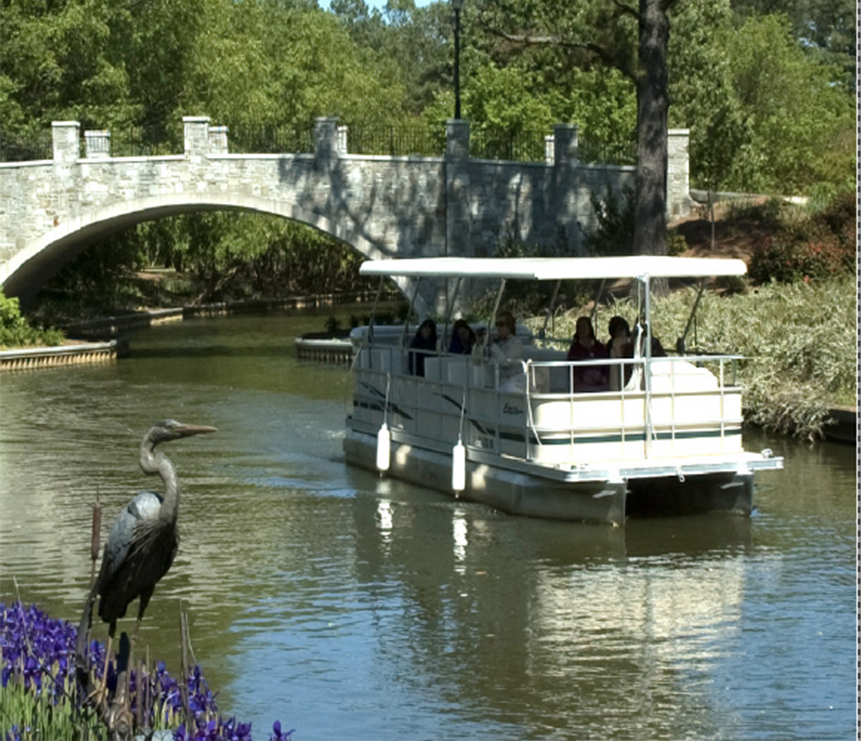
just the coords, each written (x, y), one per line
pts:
(213, 351)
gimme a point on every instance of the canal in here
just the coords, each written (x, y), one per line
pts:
(347, 606)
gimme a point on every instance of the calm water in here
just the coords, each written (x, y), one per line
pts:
(353, 607)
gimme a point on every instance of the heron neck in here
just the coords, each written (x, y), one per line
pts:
(157, 463)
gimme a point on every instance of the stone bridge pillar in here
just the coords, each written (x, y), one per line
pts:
(66, 137)
(678, 174)
(196, 136)
(457, 231)
(566, 184)
(326, 149)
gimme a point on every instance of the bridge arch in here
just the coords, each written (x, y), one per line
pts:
(40, 259)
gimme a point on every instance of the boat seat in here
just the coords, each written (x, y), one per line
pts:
(548, 379)
(681, 375)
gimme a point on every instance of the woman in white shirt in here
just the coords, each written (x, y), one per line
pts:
(507, 352)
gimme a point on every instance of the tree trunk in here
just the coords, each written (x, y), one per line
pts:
(650, 226)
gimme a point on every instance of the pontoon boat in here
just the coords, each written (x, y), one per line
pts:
(668, 442)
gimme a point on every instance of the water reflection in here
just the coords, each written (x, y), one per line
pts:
(353, 606)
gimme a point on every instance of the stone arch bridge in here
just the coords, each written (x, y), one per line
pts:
(384, 207)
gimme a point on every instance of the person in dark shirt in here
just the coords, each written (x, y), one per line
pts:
(586, 347)
(422, 345)
(462, 338)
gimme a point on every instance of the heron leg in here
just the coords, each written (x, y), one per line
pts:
(144, 601)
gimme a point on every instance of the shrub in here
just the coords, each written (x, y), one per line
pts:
(15, 330)
(819, 247)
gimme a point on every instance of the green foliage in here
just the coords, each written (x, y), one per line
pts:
(97, 280)
(16, 331)
(251, 256)
(768, 211)
(501, 105)
(826, 28)
(35, 716)
(703, 98)
(799, 123)
(676, 244)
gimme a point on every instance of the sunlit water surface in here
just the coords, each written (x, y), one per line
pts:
(353, 607)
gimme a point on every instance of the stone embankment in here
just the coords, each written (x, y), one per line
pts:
(48, 357)
(100, 338)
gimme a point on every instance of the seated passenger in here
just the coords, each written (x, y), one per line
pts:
(619, 346)
(462, 338)
(585, 347)
(422, 345)
(507, 351)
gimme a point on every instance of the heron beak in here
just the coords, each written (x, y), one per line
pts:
(189, 430)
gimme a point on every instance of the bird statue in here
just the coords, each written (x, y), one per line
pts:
(143, 540)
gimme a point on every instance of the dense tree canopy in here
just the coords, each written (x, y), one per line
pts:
(765, 86)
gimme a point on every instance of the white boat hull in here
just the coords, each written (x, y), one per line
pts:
(534, 495)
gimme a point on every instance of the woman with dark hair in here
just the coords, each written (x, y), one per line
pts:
(585, 346)
(619, 346)
(422, 345)
(462, 338)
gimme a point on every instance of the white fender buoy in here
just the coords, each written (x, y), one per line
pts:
(458, 467)
(384, 448)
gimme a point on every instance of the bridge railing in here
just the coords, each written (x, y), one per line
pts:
(411, 138)
(134, 142)
(418, 139)
(271, 139)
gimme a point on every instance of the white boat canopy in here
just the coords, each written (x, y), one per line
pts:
(556, 268)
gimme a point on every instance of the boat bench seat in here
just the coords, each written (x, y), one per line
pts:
(554, 379)
(680, 375)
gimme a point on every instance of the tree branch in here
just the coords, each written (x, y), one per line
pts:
(627, 9)
(552, 40)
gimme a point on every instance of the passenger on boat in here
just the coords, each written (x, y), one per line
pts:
(422, 345)
(586, 347)
(462, 338)
(619, 346)
(507, 351)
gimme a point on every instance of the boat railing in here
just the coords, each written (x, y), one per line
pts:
(656, 412)
(665, 404)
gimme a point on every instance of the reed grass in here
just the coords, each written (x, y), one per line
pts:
(26, 715)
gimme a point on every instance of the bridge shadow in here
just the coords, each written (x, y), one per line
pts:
(212, 351)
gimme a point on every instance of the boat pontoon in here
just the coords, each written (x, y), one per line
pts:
(668, 441)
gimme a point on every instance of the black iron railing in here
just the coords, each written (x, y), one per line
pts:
(27, 148)
(403, 140)
(271, 138)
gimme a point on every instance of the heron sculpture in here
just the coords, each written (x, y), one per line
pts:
(143, 539)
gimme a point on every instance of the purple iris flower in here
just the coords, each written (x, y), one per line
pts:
(37, 652)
